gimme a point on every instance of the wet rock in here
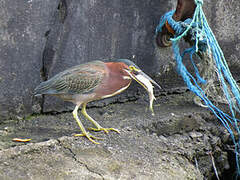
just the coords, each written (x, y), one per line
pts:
(176, 124)
(135, 153)
(22, 28)
(42, 38)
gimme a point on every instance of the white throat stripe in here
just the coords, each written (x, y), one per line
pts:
(126, 77)
(117, 92)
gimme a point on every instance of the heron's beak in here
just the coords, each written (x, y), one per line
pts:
(142, 74)
(147, 82)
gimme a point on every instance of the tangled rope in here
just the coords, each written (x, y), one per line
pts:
(205, 41)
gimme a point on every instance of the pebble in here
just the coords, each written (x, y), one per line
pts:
(195, 134)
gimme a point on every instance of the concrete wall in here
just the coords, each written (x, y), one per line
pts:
(39, 38)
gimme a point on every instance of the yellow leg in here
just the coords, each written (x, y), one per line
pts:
(98, 127)
(84, 132)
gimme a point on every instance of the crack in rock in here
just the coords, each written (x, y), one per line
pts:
(76, 160)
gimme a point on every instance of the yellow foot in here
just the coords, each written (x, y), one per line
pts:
(90, 137)
(104, 129)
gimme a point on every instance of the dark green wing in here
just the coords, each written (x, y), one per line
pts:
(76, 80)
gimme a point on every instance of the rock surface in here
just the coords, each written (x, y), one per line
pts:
(176, 143)
(41, 38)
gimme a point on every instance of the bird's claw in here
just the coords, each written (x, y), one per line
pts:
(104, 129)
(90, 137)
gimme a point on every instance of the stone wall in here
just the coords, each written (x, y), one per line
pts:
(40, 38)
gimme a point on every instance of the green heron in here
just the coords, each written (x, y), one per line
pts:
(93, 81)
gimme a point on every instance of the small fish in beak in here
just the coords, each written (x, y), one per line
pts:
(147, 82)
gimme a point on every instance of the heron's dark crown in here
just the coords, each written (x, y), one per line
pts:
(127, 62)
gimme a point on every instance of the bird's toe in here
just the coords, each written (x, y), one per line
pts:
(90, 137)
(104, 129)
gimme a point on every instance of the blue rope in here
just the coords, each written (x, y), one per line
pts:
(204, 40)
(191, 51)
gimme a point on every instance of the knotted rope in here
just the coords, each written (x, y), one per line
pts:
(205, 41)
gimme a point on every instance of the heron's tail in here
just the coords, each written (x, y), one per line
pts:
(43, 88)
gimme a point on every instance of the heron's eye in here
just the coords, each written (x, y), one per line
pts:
(132, 68)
